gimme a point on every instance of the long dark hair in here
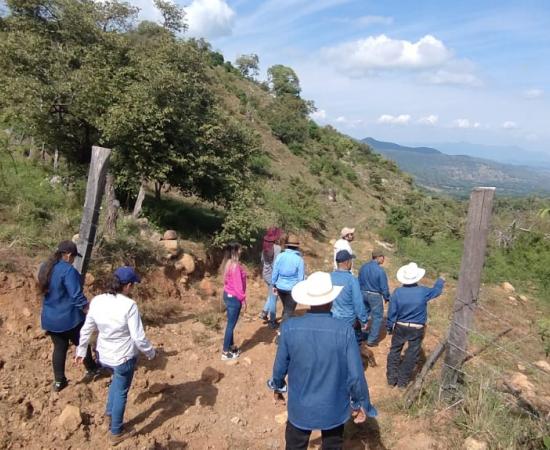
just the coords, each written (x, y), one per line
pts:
(114, 285)
(230, 257)
(45, 271)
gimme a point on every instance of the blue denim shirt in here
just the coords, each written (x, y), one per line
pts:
(325, 374)
(63, 303)
(373, 278)
(410, 303)
(349, 304)
(288, 270)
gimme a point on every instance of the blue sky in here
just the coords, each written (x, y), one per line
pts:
(410, 71)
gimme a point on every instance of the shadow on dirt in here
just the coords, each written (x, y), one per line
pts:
(173, 401)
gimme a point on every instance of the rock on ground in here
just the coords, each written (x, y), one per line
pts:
(70, 418)
(170, 235)
(185, 263)
(508, 287)
(473, 444)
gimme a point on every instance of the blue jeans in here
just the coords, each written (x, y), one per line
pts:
(374, 304)
(118, 393)
(271, 303)
(233, 309)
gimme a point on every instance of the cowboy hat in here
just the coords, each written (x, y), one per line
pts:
(410, 274)
(292, 241)
(316, 290)
(345, 231)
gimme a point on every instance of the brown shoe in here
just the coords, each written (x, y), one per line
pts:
(118, 438)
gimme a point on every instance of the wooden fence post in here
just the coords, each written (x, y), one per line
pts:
(90, 215)
(473, 258)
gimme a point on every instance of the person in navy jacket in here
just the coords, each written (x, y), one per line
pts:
(63, 309)
(407, 315)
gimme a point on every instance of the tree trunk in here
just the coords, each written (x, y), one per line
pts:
(113, 206)
(56, 160)
(139, 200)
(158, 189)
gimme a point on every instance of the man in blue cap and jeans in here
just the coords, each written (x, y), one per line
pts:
(320, 356)
(348, 306)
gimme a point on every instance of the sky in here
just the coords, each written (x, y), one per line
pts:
(422, 71)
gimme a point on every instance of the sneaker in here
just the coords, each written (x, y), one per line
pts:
(263, 316)
(273, 325)
(118, 438)
(229, 356)
(92, 374)
(60, 385)
(235, 350)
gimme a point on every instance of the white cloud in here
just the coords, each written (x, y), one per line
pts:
(532, 94)
(465, 123)
(320, 114)
(401, 119)
(382, 52)
(367, 21)
(209, 18)
(432, 119)
(509, 125)
(341, 119)
(446, 76)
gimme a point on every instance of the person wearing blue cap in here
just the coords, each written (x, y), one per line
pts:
(63, 309)
(348, 306)
(120, 338)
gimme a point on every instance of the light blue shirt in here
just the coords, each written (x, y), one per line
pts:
(349, 304)
(288, 270)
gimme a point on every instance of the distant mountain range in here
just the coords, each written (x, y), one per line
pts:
(458, 174)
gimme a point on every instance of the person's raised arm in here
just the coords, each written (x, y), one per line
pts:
(137, 333)
(71, 281)
(436, 290)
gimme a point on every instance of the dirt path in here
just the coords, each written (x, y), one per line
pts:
(169, 404)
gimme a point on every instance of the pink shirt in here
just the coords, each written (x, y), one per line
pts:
(235, 282)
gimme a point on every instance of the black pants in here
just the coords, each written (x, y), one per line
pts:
(289, 305)
(399, 371)
(297, 439)
(61, 342)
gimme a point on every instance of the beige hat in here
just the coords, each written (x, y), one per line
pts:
(410, 274)
(316, 290)
(292, 240)
(345, 231)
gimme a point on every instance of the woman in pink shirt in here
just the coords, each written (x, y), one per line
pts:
(234, 296)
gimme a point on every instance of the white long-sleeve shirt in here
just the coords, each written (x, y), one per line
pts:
(340, 244)
(121, 333)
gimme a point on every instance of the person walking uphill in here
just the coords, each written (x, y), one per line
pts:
(288, 270)
(326, 382)
(348, 306)
(374, 286)
(270, 251)
(234, 297)
(407, 316)
(63, 309)
(120, 338)
(346, 236)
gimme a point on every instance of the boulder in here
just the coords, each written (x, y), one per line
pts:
(207, 287)
(473, 444)
(172, 247)
(170, 235)
(523, 298)
(543, 365)
(508, 287)
(211, 375)
(185, 263)
(70, 419)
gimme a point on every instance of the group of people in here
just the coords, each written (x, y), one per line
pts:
(318, 354)
(69, 318)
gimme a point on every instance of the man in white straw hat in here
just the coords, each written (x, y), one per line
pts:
(326, 381)
(346, 236)
(406, 320)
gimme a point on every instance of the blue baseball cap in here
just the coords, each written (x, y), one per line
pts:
(127, 274)
(344, 255)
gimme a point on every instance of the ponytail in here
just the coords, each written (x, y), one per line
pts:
(45, 272)
(114, 285)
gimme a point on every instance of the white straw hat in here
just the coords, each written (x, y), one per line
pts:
(316, 290)
(410, 274)
(346, 230)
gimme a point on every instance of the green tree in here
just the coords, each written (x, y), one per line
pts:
(248, 65)
(283, 80)
(173, 15)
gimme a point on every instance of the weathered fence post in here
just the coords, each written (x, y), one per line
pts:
(139, 200)
(92, 204)
(112, 206)
(475, 243)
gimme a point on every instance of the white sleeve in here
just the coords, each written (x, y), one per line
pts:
(138, 333)
(86, 333)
